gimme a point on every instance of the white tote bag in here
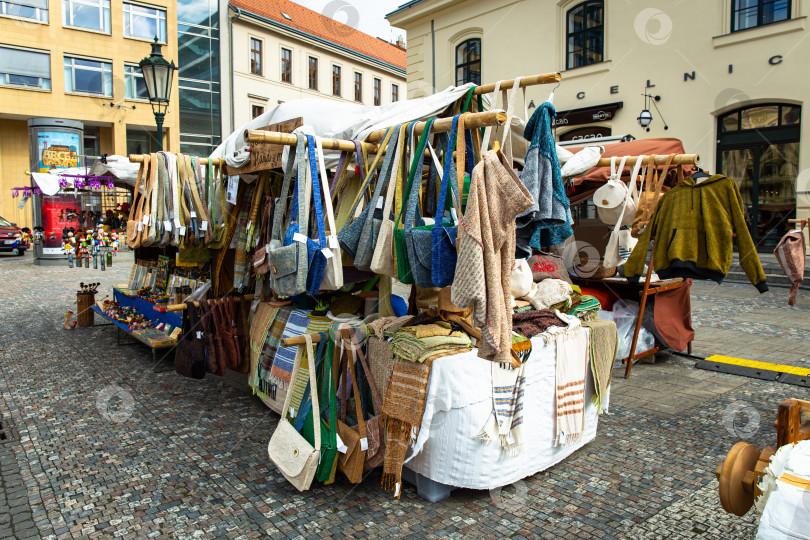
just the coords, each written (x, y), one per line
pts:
(621, 242)
(333, 275)
(611, 198)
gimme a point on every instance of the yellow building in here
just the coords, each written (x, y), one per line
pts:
(728, 78)
(77, 60)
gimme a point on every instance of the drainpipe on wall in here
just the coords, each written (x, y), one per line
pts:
(231, 18)
(433, 46)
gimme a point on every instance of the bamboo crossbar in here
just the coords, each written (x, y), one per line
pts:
(545, 78)
(182, 307)
(138, 158)
(679, 159)
(471, 121)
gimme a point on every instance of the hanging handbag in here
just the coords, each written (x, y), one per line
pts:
(296, 458)
(410, 200)
(417, 239)
(359, 230)
(133, 235)
(316, 251)
(611, 199)
(333, 274)
(261, 263)
(288, 256)
(443, 238)
(147, 202)
(219, 207)
(382, 260)
(621, 242)
(651, 192)
(374, 426)
(304, 418)
(189, 356)
(212, 363)
(354, 438)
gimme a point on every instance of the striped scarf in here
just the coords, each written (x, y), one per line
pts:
(284, 361)
(271, 343)
(504, 424)
(571, 348)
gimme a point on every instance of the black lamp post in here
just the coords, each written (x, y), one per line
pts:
(157, 74)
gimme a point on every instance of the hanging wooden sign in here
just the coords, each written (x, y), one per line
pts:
(264, 156)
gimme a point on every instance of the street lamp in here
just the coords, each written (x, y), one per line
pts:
(157, 74)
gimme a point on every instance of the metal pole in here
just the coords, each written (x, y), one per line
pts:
(159, 116)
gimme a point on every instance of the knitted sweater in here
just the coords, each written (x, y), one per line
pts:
(548, 220)
(486, 252)
(692, 227)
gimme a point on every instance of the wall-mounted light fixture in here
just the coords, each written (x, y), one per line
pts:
(645, 117)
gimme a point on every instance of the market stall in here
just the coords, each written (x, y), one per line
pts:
(394, 320)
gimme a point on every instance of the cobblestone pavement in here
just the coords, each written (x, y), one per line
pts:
(173, 457)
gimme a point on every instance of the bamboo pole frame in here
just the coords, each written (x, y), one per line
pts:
(182, 307)
(471, 121)
(679, 159)
(532, 80)
(139, 158)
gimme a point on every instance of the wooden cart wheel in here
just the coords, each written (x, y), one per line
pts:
(736, 492)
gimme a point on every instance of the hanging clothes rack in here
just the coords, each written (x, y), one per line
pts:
(138, 158)
(471, 121)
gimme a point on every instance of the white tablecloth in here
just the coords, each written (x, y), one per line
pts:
(458, 404)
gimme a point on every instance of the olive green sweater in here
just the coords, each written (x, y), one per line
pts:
(693, 228)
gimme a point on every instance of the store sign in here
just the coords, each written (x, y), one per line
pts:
(586, 134)
(57, 150)
(265, 156)
(586, 115)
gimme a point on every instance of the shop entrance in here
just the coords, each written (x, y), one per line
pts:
(758, 147)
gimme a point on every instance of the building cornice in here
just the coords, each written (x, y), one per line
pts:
(319, 41)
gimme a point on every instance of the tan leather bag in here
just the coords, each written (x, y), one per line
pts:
(292, 454)
(146, 238)
(355, 438)
(382, 261)
(133, 238)
(651, 192)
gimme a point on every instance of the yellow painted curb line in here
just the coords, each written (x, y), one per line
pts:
(781, 368)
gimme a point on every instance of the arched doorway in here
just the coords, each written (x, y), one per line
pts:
(758, 146)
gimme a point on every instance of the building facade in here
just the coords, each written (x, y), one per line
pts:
(282, 51)
(200, 96)
(728, 78)
(77, 60)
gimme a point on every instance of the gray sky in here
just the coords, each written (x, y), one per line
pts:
(365, 15)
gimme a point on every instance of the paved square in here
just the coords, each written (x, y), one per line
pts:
(189, 458)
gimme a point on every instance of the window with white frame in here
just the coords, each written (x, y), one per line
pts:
(87, 14)
(36, 10)
(84, 76)
(144, 22)
(26, 68)
(134, 82)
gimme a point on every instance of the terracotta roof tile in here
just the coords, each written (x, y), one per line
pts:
(314, 23)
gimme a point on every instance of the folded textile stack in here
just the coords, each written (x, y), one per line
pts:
(429, 341)
(587, 309)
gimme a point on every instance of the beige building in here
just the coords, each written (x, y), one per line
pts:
(282, 51)
(728, 78)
